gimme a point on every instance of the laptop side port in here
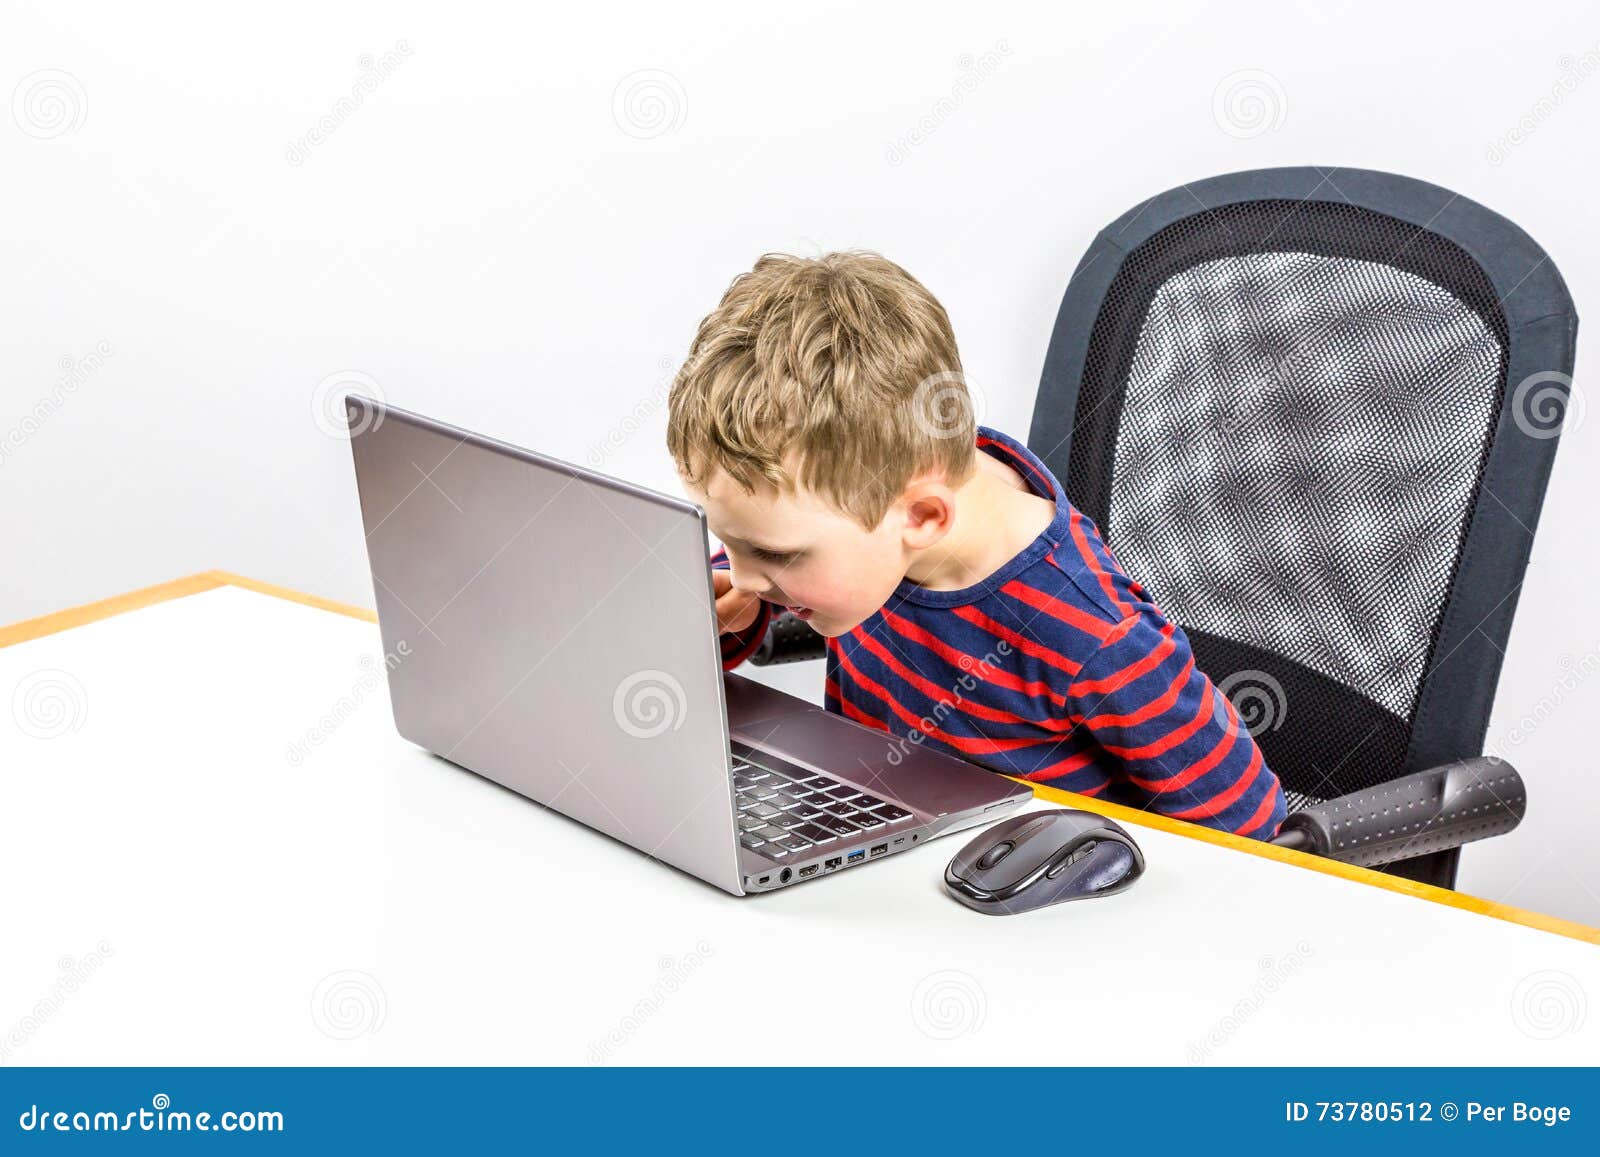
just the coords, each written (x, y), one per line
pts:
(854, 856)
(764, 879)
(808, 870)
(879, 849)
(834, 863)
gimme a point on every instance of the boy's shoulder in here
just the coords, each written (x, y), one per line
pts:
(1080, 567)
(1070, 595)
(1077, 563)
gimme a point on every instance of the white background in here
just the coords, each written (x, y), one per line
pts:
(499, 236)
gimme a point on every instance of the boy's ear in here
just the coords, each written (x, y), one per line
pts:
(929, 507)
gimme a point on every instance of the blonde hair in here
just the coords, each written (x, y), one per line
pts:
(845, 358)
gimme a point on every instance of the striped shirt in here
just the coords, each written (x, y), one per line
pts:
(1058, 668)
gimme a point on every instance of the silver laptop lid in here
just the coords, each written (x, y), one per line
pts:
(552, 629)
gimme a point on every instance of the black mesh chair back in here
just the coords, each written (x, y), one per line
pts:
(1313, 412)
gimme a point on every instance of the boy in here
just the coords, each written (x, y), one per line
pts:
(822, 422)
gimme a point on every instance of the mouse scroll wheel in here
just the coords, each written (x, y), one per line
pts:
(995, 854)
(1064, 862)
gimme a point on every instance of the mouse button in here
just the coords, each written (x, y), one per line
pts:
(1018, 832)
(1026, 861)
(1066, 859)
(995, 854)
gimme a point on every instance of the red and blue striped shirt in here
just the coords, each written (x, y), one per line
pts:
(1058, 668)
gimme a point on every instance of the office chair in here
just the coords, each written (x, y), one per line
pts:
(1313, 412)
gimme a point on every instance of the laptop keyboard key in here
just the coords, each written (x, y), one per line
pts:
(867, 801)
(838, 827)
(794, 843)
(814, 832)
(867, 820)
(892, 813)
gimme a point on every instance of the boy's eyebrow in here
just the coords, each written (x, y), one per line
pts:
(760, 546)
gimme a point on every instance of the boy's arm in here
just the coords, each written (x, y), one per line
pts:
(737, 646)
(1169, 736)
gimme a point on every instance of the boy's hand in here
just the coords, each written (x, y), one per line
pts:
(736, 610)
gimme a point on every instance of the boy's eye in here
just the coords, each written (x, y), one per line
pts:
(769, 556)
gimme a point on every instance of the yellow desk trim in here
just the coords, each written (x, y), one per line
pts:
(211, 579)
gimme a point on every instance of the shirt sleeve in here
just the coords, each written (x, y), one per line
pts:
(737, 646)
(1174, 743)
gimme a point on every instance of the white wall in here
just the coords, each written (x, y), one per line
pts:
(493, 237)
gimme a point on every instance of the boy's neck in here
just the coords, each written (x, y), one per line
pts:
(996, 517)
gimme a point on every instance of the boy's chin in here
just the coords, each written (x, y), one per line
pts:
(827, 627)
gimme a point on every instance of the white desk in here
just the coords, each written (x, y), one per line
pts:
(211, 900)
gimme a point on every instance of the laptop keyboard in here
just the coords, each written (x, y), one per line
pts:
(782, 814)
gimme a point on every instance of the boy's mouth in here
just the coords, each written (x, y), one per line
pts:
(798, 612)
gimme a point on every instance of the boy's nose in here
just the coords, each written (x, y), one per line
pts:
(743, 580)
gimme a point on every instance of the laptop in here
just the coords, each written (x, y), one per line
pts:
(553, 629)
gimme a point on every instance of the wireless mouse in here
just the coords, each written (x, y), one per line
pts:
(1041, 858)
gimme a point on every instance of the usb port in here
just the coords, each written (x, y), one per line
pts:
(879, 849)
(763, 879)
(899, 840)
(834, 863)
(854, 856)
(808, 870)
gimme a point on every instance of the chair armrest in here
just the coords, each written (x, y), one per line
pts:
(789, 640)
(1429, 811)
